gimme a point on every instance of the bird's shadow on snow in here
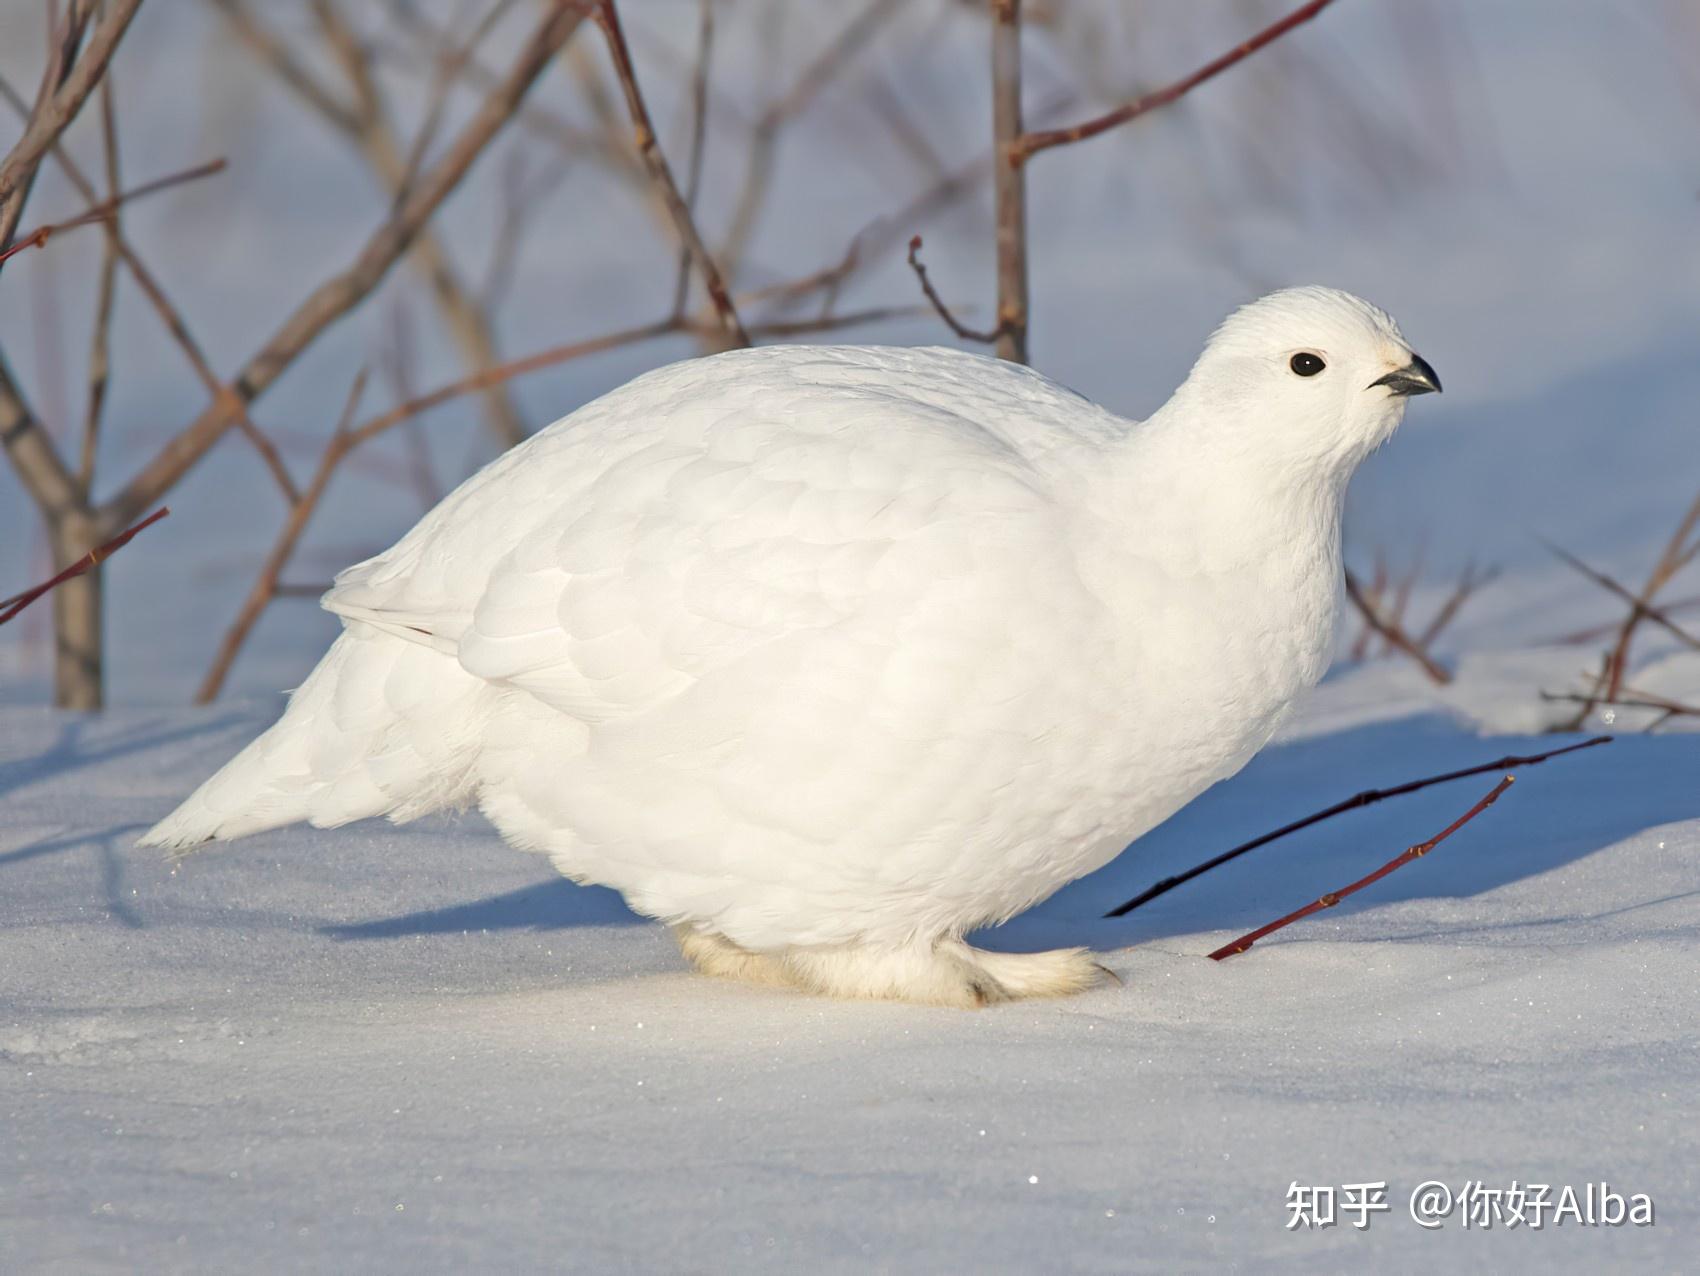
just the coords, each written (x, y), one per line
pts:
(1558, 812)
(546, 906)
(85, 741)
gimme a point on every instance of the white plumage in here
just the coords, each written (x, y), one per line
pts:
(828, 655)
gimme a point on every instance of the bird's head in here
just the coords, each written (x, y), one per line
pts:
(1307, 377)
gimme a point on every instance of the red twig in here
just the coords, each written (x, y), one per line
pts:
(1394, 634)
(1369, 797)
(103, 211)
(1032, 143)
(1334, 897)
(1640, 607)
(17, 602)
(957, 326)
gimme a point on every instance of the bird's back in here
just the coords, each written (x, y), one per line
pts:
(779, 446)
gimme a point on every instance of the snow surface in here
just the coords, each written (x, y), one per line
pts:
(383, 1048)
(415, 1048)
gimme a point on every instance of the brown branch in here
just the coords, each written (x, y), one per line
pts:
(10, 607)
(34, 458)
(835, 56)
(106, 209)
(1031, 144)
(368, 127)
(264, 44)
(100, 342)
(1373, 592)
(168, 313)
(1677, 554)
(1628, 698)
(1334, 897)
(398, 364)
(264, 588)
(1594, 632)
(56, 111)
(1468, 584)
(532, 117)
(1009, 181)
(450, 61)
(342, 292)
(783, 328)
(966, 333)
(1369, 797)
(1394, 635)
(1381, 584)
(1640, 608)
(699, 138)
(346, 440)
(649, 149)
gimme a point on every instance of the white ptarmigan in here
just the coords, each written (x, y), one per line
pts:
(828, 655)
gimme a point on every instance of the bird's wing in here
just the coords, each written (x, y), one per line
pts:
(610, 566)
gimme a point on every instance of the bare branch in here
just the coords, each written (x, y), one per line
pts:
(838, 53)
(1334, 897)
(1677, 554)
(55, 113)
(335, 297)
(10, 607)
(265, 584)
(1639, 607)
(1628, 698)
(368, 126)
(1369, 797)
(51, 486)
(103, 211)
(1594, 632)
(348, 438)
(284, 64)
(100, 342)
(1009, 181)
(1470, 581)
(1031, 144)
(650, 151)
(966, 333)
(699, 136)
(168, 313)
(1391, 631)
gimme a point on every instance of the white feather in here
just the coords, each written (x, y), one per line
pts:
(817, 650)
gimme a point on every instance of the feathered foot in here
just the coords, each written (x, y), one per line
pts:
(946, 973)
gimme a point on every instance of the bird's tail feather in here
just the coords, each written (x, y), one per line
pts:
(380, 727)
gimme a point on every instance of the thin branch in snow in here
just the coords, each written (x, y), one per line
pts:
(1369, 797)
(1629, 698)
(1397, 862)
(1678, 553)
(1639, 607)
(1393, 632)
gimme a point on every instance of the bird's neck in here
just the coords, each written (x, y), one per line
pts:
(1224, 504)
(1237, 559)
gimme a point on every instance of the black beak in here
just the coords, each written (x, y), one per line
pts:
(1416, 377)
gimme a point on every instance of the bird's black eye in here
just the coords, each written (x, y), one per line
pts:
(1306, 364)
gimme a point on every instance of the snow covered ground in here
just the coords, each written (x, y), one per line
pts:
(415, 1048)
(404, 1048)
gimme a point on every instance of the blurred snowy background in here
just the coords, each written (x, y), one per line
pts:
(1518, 183)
